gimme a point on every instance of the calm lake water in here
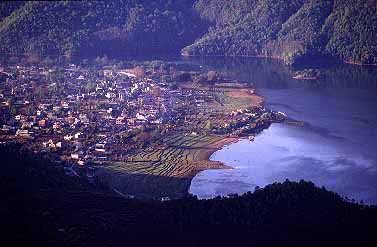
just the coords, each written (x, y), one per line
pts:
(336, 147)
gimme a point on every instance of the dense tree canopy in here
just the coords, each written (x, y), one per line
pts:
(85, 27)
(290, 30)
(43, 206)
(8, 7)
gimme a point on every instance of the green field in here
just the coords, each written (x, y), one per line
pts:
(180, 155)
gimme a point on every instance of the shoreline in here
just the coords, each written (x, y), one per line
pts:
(277, 58)
(192, 156)
(162, 158)
(208, 151)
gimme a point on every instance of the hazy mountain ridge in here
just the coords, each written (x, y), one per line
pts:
(293, 31)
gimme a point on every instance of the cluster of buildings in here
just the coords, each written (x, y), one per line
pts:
(96, 115)
(83, 115)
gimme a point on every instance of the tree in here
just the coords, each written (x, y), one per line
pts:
(13, 110)
(200, 79)
(209, 125)
(89, 87)
(143, 138)
(139, 71)
(165, 78)
(181, 77)
(173, 85)
(213, 76)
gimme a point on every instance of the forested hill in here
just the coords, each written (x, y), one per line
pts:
(295, 30)
(291, 30)
(100, 27)
(42, 206)
(7, 7)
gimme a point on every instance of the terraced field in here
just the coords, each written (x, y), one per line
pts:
(180, 155)
(185, 149)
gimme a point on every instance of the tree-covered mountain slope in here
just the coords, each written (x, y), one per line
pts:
(43, 206)
(244, 27)
(294, 31)
(84, 27)
(8, 7)
(351, 31)
(290, 30)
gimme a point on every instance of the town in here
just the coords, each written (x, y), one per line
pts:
(146, 120)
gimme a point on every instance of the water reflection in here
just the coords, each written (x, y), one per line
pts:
(335, 148)
(272, 74)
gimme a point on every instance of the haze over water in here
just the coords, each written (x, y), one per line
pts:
(336, 147)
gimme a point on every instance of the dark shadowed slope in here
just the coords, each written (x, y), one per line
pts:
(40, 205)
(8, 7)
(86, 27)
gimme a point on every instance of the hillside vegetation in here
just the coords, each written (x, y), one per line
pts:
(85, 27)
(290, 30)
(295, 31)
(42, 206)
(8, 7)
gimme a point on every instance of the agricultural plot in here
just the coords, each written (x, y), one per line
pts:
(180, 155)
(185, 150)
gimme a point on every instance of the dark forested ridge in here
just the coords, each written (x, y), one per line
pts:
(43, 206)
(8, 7)
(294, 31)
(85, 27)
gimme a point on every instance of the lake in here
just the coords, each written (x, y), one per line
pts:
(336, 147)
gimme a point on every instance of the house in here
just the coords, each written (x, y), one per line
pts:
(100, 147)
(120, 120)
(108, 73)
(27, 125)
(127, 74)
(43, 106)
(57, 125)
(72, 120)
(157, 121)
(68, 137)
(110, 95)
(81, 162)
(51, 115)
(140, 117)
(42, 123)
(24, 133)
(83, 117)
(56, 108)
(6, 128)
(65, 105)
(77, 135)
(165, 199)
(49, 144)
(75, 156)
(122, 96)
